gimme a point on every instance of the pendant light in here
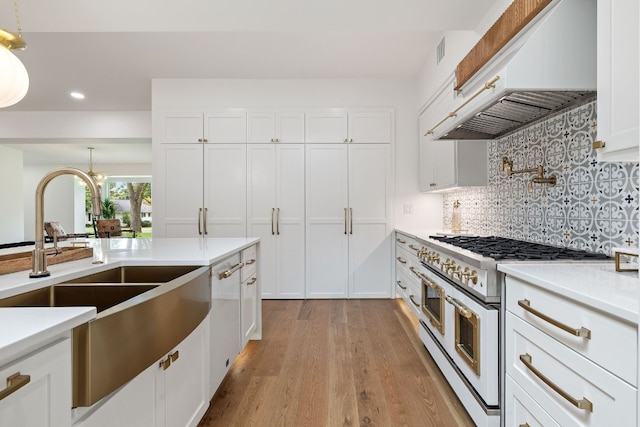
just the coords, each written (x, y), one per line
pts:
(98, 177)
(14, 79)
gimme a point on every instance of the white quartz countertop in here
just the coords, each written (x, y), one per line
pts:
(596, 285)
(22, 330)
(21, 327)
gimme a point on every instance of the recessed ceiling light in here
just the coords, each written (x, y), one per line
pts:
(77, 95)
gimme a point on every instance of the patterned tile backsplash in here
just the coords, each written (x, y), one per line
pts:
(593, 206)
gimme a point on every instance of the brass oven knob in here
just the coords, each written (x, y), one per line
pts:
(445, 265)
(457, 271)
(434, 258)
(469, 274)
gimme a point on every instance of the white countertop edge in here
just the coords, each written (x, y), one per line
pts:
(582, 282)
(25, 329)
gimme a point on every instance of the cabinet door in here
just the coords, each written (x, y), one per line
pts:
(427, 156)
(618, 84)
(180, 128)
(178, 191)
(46, 399)
(225, 127)
(225, 320)
(186, 392)
(249, 298)
(261, 127)
(225, 190)
(446, 163)
(290, 127)
(290, 224)
(327, 210)
(261, 210)
(371, 127)
(369, 223)
(326, 126)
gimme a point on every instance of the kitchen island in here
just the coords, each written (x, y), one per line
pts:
(29, 333)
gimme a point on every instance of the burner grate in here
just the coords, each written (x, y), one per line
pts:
(502, 248)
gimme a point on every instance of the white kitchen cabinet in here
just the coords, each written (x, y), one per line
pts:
(446, 164)
(275, 214)
(199, 190)
(558, 356)
(275, 126)
(188, 127)
(348, 221)
(249, 295)
(225, 318)
(618, 83)
(182, 380)
(38, 387)
(347, 126)
(173, 391)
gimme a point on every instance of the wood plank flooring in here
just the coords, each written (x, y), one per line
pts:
(335, 363)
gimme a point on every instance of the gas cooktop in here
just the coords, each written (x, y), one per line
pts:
(502, 248)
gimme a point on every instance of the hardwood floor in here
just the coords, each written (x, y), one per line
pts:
(335, 363)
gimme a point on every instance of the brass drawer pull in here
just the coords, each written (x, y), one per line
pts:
(415, 248)
(399, 282)
(580, 332)
(174, 356)
(578, 403)
(524, 425)
(417, 273)
(229, 272)
(399, 240)
(251, 261)
(14, 383)
(252, 281)
(413, 301)
(164, 364)
(402, 260)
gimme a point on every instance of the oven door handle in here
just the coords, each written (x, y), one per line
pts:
(459, 306)
(578, 332)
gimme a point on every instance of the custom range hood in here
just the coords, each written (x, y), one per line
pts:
(548, 66)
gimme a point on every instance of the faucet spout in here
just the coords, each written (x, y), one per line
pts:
(39, 262)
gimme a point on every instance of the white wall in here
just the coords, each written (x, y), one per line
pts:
(11, 206)
(400, 94)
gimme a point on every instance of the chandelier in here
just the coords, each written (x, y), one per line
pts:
(14, 79)
(98, 177)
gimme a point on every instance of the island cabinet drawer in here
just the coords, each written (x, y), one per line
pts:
(573, 390)
(248, 257)
(403, 260)
(522, 410)
(565, 319)
(409, 244)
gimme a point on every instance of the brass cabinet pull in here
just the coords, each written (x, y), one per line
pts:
(413, 301)
(252, 281)
(273, 231)
(251, 261)
(578, 403)
(402, 260)
(164, 364)
(598, 144)
(278, 221)
(399, 282)
(524, 425)
(350, 220)
(580, 332)
(399, 240)
(415, 248)
(174, 356)
(204, 221)
(226, 274)
(417, 273)
(345, 219)
(200, 221)
(14, 383)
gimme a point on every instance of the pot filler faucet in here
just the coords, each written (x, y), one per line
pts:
(39, 256)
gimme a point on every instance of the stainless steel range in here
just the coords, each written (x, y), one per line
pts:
(460, 310)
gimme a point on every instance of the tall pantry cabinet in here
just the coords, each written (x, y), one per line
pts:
(348, 196)
(275, 200)
(314, 185)
(200, 174)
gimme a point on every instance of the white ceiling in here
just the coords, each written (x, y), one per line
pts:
(111, 50)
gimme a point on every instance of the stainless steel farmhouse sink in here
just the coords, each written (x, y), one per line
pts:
(143, 313)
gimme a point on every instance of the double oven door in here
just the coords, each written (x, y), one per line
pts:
(466, 329)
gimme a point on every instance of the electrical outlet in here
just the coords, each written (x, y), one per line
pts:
(408, 209)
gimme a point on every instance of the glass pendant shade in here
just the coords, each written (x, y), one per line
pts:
(14, 79)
